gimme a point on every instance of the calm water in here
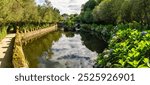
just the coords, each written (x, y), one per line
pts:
(64, 50)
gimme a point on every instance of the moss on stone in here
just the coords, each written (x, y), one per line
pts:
(19, 58)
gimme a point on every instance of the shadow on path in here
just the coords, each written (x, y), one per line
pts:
(6, 60)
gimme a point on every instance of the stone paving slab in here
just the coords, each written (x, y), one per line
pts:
(6, 50)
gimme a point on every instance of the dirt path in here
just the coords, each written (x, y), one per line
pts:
(6, 50)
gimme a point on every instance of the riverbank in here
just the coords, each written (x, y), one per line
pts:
(19, 59)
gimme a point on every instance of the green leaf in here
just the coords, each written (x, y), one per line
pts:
(122, 62)
(134, 63)
(143, 66)
(146, 60)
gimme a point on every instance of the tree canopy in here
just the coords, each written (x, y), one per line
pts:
(116, 11)
(27, 11)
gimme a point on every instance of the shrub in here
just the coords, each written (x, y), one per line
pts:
(3, 32)
(128, 48)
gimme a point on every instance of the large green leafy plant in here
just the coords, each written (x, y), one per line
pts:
(129, 48)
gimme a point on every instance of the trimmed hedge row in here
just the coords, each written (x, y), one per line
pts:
(3, 32)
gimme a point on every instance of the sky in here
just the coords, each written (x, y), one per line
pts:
(66, 6)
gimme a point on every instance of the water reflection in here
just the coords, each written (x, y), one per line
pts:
(64, 50)
(93, 43)
(36, 48)
(69, 34)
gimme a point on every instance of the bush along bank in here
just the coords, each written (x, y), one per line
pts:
(101, 31)
(127, 48)
(19, 59)
(3, 32)
(108, 31)
(32, 26)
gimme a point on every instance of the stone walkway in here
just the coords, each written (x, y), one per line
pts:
(6, 51)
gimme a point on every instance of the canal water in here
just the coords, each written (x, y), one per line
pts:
(64, 50)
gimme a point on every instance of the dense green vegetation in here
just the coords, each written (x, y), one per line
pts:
(129, 47)
(26, 15)
(124, 25)
(101, 31)
(70, 22)
(2, 32)
(116, 11)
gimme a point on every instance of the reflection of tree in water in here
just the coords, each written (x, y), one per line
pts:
(37, 47)
(93, 43)
(69, 34)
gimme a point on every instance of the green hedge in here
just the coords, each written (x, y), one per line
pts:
(3, 32)
(31, 27)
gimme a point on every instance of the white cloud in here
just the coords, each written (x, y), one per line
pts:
(68, 6)
(39, 1)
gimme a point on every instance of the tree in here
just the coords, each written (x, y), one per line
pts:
(89, 5)
(29, 10)
(144, 5)
(103, 12)
(86, 11)
(4, 10)
(16, 10)
(25, 13)
(116, 11)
